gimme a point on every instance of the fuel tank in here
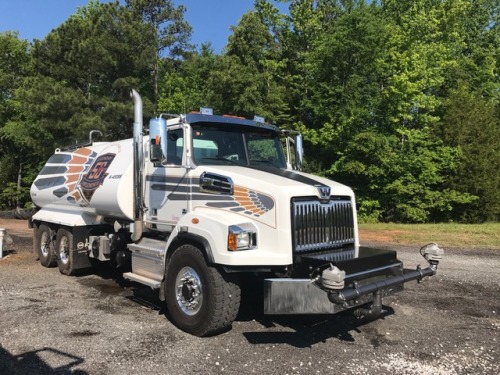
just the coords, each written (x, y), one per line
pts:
(96, 179)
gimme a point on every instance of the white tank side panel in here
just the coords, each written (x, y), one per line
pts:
(114, 195)
(125, 196)
(59, 215)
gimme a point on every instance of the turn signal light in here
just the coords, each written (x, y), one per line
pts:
(241, 237)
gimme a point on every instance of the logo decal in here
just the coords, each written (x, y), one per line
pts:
(246, 201)
(324, 191)
(251, 202)
(96, 175)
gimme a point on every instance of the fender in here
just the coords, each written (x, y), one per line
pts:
(191, 237)
(209, 233)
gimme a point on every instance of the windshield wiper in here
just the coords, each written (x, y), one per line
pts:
(263, 161)
(224, 159)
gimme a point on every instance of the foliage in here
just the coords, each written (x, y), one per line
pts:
(84, 71)
(184, 86)
(12, 194)
(400, 100)
(14, 66)
(472, 123)
(169, 29)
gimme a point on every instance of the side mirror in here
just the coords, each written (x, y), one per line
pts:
(299, 151)
(158, 139)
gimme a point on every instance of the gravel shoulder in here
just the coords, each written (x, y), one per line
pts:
(98, 323)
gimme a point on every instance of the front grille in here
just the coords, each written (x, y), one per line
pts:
(318, 226)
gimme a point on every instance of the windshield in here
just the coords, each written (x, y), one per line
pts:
(222, 144)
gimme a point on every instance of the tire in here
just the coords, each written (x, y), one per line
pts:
(200, 299)
(64, 251)
(44, 243)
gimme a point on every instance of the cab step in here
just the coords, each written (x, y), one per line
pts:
(154, 284)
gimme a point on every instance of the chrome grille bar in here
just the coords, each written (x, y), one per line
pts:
(321, 226)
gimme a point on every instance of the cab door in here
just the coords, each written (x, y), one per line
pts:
(167, 185)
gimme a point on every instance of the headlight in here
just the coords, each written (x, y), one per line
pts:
(241, 237)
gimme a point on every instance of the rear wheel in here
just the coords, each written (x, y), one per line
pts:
(64, 251)
(201, 300)
(45, 246)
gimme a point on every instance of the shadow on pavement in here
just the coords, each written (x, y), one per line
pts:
(41, 362)
(308, 330)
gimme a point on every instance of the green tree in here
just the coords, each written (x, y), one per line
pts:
(367, 80)
(170, 31)
(469, 114)
(184, 86)
(472, 123)
(247, 79)
(85, 69)
(16, 148)
(14, 65)
(79, 79)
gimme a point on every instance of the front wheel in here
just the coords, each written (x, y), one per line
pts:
(201, 300)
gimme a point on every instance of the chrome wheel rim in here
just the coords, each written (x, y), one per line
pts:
(44, 244)
(64, 250)
(189, 291)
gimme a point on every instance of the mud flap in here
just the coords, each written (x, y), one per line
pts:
(80, 258)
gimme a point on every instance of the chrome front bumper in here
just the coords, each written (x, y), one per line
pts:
(376, 273)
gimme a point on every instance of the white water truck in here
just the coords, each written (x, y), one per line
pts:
(194, 203)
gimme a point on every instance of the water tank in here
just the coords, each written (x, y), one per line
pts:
(97, 179)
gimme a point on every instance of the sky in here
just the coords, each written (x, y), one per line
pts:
(210, 19)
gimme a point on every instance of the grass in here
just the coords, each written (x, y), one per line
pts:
(446, 235)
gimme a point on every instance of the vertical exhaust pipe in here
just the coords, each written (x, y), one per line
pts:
(138, 167)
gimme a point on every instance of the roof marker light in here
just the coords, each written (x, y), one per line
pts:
(232, 116)
(259, 119)
(206, 111)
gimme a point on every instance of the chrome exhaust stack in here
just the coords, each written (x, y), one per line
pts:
(138, 167)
